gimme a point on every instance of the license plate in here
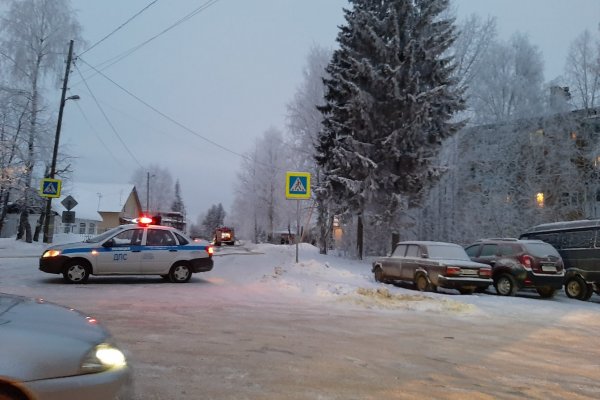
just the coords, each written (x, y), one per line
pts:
(469, 272)
(549, 268)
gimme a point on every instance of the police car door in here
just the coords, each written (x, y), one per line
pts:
(121, 254)
(159, 253)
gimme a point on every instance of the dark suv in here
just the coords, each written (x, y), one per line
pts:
(520, 264)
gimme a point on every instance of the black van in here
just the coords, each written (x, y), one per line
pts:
(578, 243)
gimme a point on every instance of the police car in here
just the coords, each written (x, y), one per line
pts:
(135, 249)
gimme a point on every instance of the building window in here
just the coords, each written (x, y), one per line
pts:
(92, 228)
(571, 199)
(82, 228)
(539, 199)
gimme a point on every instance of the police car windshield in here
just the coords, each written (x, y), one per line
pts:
(104, 236)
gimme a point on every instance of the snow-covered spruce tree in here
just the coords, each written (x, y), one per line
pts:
(178, 205)
(389, 103)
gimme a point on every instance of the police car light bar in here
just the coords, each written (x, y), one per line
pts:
(145, 220)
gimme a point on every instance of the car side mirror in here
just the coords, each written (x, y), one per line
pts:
(109, 243)
(424, 255)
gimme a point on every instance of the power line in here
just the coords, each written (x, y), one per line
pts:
(110, 62)
(107, 119)
(98, 135)
(166, 116)
(119, 27)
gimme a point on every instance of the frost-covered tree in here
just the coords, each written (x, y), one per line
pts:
(474, 38)
(583, 70)
(260, 206)
(304, 124)
(390, 97)
(508, 85)
(14, 109)
(34, 35)
(303, 117)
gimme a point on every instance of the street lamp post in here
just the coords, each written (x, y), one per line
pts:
(63, 100)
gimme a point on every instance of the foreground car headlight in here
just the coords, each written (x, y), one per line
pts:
(51, 253)
(103, 357)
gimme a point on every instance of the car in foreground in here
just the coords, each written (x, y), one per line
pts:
(133, 249)
(50, 352)
(430, 265)
(518, 264)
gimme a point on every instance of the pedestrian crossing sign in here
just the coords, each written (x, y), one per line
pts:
(297, 185)
(50, 187)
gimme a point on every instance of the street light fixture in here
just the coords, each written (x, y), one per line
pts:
(63, 100)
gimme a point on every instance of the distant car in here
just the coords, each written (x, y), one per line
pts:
(134, 249)
(520, 264)
(430, 265)
(53, 352)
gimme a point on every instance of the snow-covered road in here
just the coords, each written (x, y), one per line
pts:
(260, 326)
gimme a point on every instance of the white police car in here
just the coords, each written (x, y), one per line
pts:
(135, 249)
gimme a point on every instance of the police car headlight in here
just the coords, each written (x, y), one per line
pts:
(51, 253)
(103, 357)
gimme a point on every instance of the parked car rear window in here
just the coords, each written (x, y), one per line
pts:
(446, 252)
(541, 250)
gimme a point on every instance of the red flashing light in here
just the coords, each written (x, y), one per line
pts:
(145, 220)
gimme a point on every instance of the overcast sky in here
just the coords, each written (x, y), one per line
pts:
(227, 74)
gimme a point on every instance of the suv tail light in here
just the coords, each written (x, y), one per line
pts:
(210, 250)
(485, 272)
(453, 271)
(526, 261)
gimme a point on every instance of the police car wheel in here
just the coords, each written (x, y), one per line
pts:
(76, 272)
(180, 273)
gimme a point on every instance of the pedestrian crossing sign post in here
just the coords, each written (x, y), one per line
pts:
(50, 187)
(297, 185)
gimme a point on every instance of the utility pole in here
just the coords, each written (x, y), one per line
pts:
(47, 234)
(148, 193)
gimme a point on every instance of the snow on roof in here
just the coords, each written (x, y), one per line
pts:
(95, 197)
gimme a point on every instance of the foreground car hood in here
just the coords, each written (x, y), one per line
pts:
(41, 340)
